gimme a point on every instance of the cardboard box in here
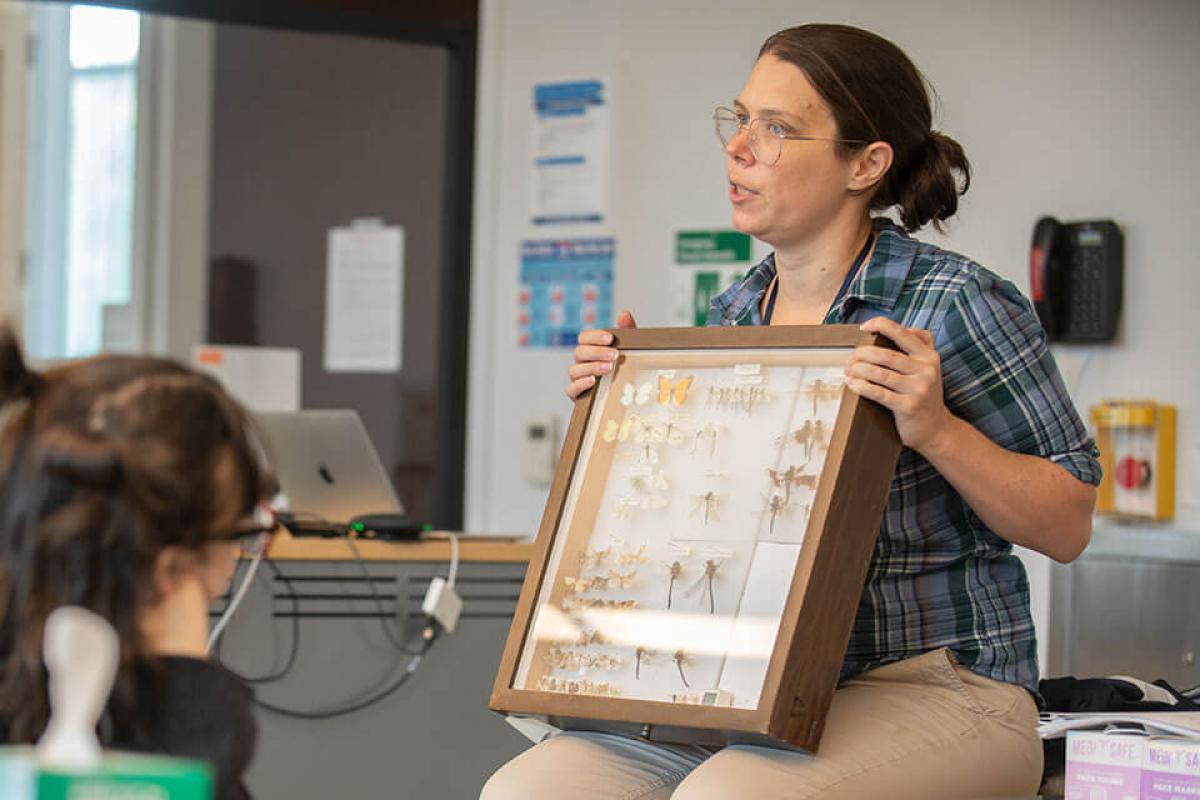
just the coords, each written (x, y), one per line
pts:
(120, 777)
(1104, 766)
(1171, 770)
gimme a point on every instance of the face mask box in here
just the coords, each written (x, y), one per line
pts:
(119, 777)
(1171, 769)
(1104, 766)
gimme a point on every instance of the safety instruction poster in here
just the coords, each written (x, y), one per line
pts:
(707, 263)
(566, 287)
(570, 159)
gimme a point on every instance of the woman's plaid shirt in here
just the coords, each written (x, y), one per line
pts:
(939, 577)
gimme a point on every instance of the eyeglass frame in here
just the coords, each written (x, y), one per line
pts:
(751, 137)
(253, 531)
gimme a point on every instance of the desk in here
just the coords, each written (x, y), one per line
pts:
(435, 736)
(491, 549)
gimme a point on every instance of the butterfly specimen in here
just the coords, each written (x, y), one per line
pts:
(821, 391)
(594, 558)
(648, 455)
(636, 395)
(615, 431)
(708, 502)
(590, 637)
(676, 392)
(651, 481)
(636, 557)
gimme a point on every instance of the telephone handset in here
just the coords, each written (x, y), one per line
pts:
(1075, 276)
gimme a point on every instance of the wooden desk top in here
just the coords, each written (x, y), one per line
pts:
(286, 547)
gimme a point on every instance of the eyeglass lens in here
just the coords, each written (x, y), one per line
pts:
(766, 148)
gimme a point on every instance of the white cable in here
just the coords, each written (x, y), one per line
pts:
(237, 599)
(453, 537)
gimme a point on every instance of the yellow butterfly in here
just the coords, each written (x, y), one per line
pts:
(677, 392)
(618, 431)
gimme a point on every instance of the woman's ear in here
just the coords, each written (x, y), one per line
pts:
(172, 566)
(870, 167)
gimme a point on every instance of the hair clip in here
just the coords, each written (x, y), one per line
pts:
(639, 655)
(637, 395)
(676, 392)
(680, 660)
(821, 391)
(709, 502)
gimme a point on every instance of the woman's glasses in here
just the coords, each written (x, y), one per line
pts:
(765, 136)
(254, 531)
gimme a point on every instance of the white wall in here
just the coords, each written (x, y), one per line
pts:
(13, 101)
(1080, 109)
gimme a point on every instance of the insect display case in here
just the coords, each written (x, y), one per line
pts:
(705, 541)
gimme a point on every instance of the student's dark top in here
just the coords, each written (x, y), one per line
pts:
(196, 710)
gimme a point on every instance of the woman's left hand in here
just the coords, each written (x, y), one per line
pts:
(907, 381)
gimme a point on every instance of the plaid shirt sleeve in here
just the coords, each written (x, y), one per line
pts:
(999, 375)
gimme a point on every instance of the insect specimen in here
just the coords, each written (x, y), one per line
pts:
(618, 431)
(674, 573)
(711, 566)
(651, 481)
(709, 502)
(577, 603)
(636, 557)
(590, 637)
(680, 660)
(775, 505)
(581, 662)
(640, 655)
(792, 476)
(710, 433)
(648, 455)
(820, 391)
(637, 396)
(594, 558)
(676, 392)
(603, 688)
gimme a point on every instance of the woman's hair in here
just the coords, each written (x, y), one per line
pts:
(103, 464)
(877, 94)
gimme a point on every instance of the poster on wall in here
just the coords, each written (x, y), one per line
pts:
(707, 263)
(570, 160)
(566, 287)
(364, 297)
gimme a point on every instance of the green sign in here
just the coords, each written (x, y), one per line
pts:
(711, 247)
(707, 286)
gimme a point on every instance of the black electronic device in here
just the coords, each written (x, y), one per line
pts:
(390, 527)
(1076, 274)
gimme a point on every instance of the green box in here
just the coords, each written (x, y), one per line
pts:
(120, 776)
(711, 247)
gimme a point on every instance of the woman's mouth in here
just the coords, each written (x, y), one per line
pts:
(739, 193)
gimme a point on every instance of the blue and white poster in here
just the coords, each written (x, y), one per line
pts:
(570, 159)
(566, 287)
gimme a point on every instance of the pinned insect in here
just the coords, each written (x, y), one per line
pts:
(637, 396)
(711, 567)
(709, 432)
(674, 573)
(615, 431)
(594, 558)
(792, 476)
(640, 655)
(590, 637)
(652, 480)
(648, 455)
(821, 391)
(681, 659)
(708, 502)
(676, 392)
(636, 557)
(775, 505)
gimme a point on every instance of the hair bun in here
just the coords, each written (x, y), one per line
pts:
(17, 381)
(86, 459)
(929, 187)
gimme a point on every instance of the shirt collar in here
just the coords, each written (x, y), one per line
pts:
(878, 284)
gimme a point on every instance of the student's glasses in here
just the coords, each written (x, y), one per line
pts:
(254, 531)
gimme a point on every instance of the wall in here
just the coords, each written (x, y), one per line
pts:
(13, 101)
(1080, 109)
(311, 131)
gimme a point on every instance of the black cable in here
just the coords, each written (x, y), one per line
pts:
(428, 637)
(295, 648)
(384, 617)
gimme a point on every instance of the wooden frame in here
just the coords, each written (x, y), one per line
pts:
(602, 638)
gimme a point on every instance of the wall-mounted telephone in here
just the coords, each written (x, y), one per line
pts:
(1075, 277)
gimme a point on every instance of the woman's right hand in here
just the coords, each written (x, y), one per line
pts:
(594, 357)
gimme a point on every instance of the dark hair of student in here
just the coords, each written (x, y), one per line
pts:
(877, 94)
(104, 463)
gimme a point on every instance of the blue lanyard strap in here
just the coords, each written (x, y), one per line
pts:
(862, 255)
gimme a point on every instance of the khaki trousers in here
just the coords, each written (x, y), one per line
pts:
(920, 729)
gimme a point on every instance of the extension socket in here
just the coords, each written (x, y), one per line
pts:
(442, 603)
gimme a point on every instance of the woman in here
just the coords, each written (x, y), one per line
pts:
(938, 687)
(126, 487)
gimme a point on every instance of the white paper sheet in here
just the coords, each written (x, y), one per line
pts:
(261, 378)
(571, 152)
(364, 298)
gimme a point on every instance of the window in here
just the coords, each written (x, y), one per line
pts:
(83, 137)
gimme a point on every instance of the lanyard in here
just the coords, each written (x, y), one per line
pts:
(862, 255)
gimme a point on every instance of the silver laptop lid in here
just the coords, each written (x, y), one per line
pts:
(326, 465)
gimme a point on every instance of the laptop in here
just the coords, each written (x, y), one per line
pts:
(327, 469)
